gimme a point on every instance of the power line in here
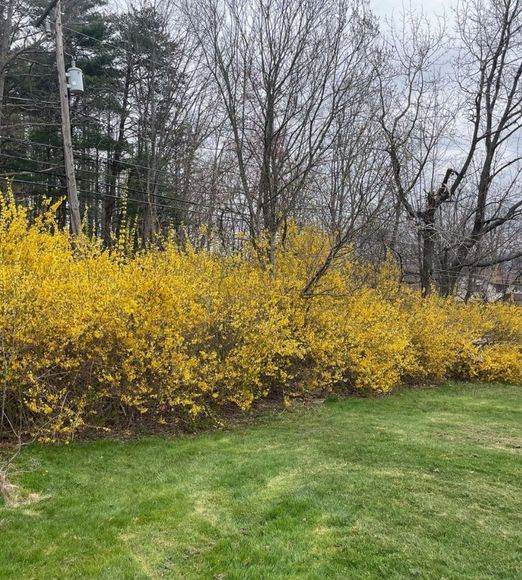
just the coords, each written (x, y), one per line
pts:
(97, 182)
(30, 124)
(112, 44)
(132, 190)
(90, 157)
(97, 195)
(81, 152)
(101, 194)
(56, 103)
(17, 157)
(45, 13)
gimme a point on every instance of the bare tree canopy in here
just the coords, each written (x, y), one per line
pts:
(226, 119)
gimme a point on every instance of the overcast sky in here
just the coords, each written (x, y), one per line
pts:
(435, 7)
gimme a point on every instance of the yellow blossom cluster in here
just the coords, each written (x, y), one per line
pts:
(93, 339)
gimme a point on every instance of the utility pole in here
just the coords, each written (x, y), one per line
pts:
(68, 155)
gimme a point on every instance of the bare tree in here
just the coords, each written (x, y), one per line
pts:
(489, 73)
(415, 117)
(452, 138)
(284, 69)
(353, 199)
(17, 37)
(244, 115)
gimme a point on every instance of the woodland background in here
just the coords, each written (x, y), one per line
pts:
(228, 121)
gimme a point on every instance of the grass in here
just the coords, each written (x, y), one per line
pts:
(423, 484)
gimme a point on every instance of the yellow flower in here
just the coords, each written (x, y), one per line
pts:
(87, 336)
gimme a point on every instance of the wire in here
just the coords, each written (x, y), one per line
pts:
(34, 101)
(132, 190)
(98, 193)
(31, 160)
(94, 194)
(111, 44)
(79, 152)
(172, 198)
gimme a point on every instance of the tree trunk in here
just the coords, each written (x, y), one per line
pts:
(115, 166)
(428, 250)
(5, 37)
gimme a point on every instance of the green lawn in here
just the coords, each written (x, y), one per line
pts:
(423, 484)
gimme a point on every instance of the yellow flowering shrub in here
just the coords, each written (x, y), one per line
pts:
(444, 335)
(500, 358)
(94, 339)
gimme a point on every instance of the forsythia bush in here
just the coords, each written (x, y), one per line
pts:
(92, 339)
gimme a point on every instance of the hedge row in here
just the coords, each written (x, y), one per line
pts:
(90, 339)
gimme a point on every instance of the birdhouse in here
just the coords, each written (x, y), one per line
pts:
(75, 80)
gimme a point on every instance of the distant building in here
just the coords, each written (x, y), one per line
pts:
(493, 285)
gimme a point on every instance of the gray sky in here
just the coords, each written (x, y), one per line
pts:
(435, 7)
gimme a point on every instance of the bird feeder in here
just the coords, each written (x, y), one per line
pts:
(75, 80)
